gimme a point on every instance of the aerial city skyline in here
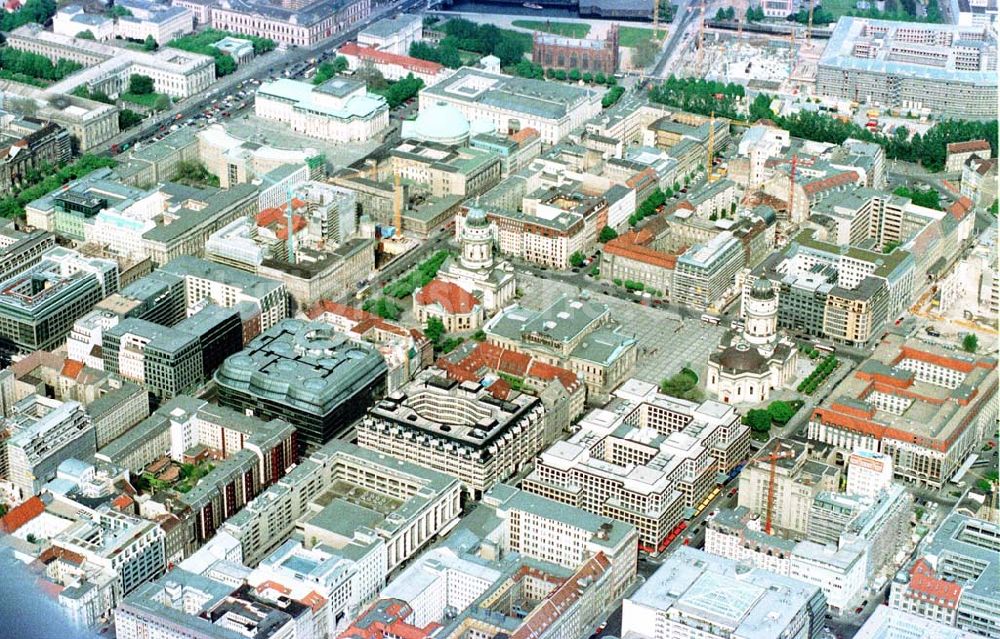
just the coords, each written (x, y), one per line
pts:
(446, 319)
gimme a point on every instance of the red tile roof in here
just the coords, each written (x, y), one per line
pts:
(524, 135)
(276, 216)
(923, 581)
(633, 245)
(21, 514)
(329, 306)
(386, 619)
(560, 600)
(966, 147)
(52, 553)
(960, 208)
(121, 502)
(454, 299)
(384, 57)
(832, 182)
(363, 320)
(71, 368)
(489, 358)
(641, 179)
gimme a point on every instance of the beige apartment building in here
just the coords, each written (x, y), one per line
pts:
(797, 481)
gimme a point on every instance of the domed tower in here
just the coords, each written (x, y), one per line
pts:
(760, 308)
(477, 241)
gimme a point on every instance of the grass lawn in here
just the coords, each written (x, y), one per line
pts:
(469, 58)
(568, 29)
(631, 36)
(839, 7)
(146, 99)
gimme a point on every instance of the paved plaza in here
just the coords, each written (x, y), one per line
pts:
(666, 343)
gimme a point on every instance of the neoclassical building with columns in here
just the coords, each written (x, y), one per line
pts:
(748, 365)
(476, 271)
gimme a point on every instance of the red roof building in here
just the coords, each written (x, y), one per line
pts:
(457, 309)
(386, 619)
(392, 65)
(21, 515)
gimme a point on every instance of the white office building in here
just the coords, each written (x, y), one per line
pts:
(338, 110)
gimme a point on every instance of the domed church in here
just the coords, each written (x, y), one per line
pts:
(748, 365)
(475, 270)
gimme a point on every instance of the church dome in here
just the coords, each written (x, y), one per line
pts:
(740, 358)
(476, 217)
(762, 289)
(439, 123)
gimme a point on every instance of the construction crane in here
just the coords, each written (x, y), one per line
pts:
(656, 19)
(773, 458)
(711, 148)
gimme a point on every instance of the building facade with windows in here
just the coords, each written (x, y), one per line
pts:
(942, 67)
(38, 306)
(647, 459)
(340, 110)
(457, 428)
(307, 374)
(926, 406)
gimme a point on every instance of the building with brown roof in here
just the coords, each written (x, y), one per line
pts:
(505, 372)
(925, 405)
(641, 257)
(957, 153)
(979, 181)
(457, 309)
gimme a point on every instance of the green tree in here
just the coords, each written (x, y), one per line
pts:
(340, 64)
(612, 96)
(149, 44)
(128, 118)
(576, 259)
(224, 65)
(31, 539)
(162, 103)
(607, 234)
(599, 78)
(509, 52)
(434, 330)
(140, 84)
(970, 343)
(86, 34)
(758, 420)
(780, 411)
(683, 385)
(479, 336)
(118, 12)
(574, 75)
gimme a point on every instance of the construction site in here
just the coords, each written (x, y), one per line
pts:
(780, 59)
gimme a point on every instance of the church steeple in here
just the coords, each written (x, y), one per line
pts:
(477, 241)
